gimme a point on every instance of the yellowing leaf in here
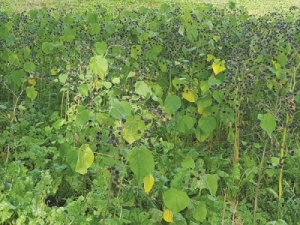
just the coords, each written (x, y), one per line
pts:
(31, 81)
(209, 57)
(53, 72)
(189, 95)
(148, 183)
(200, 110)
(218, 67)
(168, 215)
(85, 159)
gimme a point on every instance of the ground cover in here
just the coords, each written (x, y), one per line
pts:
(148, 116)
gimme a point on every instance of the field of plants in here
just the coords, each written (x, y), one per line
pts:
(150, 115)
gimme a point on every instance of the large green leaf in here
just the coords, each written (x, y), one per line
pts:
(16, 77)
(204, 86)
(200, 213)
(95, 29)
(141, 162)
(218, 96)
(133, 129)
(4, 32)
(207, 124)
(142, 88)
(212, 184)
(85, 159)
(175, 200)
(71, 157)
(69, 35)
(136, 50)
(185, 123)
(278, 222)
(31, 92)
(172, 104)
(204, 101)
(282, 59)
(84, 90)
(83, 117)
(297, 98)
(191, 32)
(153, 52)
(99, 65)
(267, 122)
(119, 109)
(48, 47)
(26, 51)
(29, 67)
(101, 48)
(201, 135)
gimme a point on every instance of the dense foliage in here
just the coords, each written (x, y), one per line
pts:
(97, 106)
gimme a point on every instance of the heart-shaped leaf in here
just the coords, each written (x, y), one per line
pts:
(207, 124)
(172, 104)
(29, 67)
(142, 88)
(83, 117)
(189, 95)
(133, 129)
(101, 48)
(175, 200)
(185, 123)
(119, 109)
(267, 122)
(141, 162)
(99, 65)
(31, 92)
(200, 213)
(218, 66)
(85, 159)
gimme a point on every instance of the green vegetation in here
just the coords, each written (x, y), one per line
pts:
(257, 7)
(129, 114)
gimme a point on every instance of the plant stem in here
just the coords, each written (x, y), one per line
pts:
(107, 200)
(260, 175)
(281, 158)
